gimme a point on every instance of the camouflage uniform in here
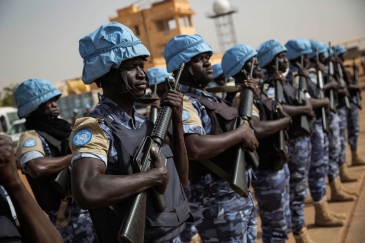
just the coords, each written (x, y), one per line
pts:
(342, 113)
(334, 148)
(353, 129)
(319, 162)
(299, 161)
(220, 214)
(272, 195)
(80, 228)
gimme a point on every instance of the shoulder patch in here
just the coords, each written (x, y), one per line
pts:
(29, 143)
(185, 115)
(82, 137)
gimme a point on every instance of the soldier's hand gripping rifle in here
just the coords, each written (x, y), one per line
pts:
(304, 124)
(245, 112)
(153, 111)
(341, 82)
(279, 100)
(356, 82)
(132, 229)
(321, 96)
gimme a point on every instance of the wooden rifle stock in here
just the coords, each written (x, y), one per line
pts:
(321, 96)
(133, 226)
(356, 82)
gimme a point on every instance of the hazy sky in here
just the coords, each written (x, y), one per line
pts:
(39, 38)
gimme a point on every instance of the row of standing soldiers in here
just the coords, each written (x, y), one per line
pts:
(186, 173)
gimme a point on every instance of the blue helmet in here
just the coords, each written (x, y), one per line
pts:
(182, 48)
(267, 51)
(159, 73)
(32, 93)
(320, 46)
(234, 59)
(298, 47)
(217, 70)
(106, 48)
(339, 49)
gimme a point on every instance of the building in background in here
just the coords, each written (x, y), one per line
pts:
(156, 25)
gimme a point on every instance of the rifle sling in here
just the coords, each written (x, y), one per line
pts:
(216, 170)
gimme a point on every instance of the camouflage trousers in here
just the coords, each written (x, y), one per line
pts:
(300, 156)
(342, 113)
(319, 162)
(272, 195)
(79, 230)
(353, 129)
(334, 145)
(220, 214)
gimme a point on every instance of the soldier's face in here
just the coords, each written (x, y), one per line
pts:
(283, 62)
(132, 71)
(50, 109)
(201, 68)
(256, 68)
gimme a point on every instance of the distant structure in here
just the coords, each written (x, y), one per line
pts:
(224, 24)
(159, 23)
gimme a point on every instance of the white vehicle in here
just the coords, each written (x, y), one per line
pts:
(9, 115)
(16, 129)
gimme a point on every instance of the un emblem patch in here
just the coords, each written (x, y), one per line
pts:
(29, 143)
(185, 115)
(82, 137)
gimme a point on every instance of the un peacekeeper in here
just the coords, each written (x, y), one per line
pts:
(272, 177)
(320, 148)
(220, 214)
(103, 147)
(34, 225)
(338, 193)
(43, 151)
(160, 74)
(299, 144)
(353, 129)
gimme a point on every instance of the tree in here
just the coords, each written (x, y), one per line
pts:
(7, 95)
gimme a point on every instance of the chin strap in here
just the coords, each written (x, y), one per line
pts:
(192, 77)
(126, 88)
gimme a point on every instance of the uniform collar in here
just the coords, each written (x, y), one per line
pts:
(202, 93)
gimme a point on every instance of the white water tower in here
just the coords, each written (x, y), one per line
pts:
(224, 24)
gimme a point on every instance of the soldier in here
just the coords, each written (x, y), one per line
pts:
(320, 147)
(299, 145)
(353, 129)
(105, 143)
(34, 225)
(43, 152)
(272, 177)
(220, 214)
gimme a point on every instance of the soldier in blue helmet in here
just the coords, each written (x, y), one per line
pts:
(353, 129)
(105, 142)
(220, 214)
(43, 152)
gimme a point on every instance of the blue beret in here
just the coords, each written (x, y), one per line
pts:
(182, 48)
(320, 46)
(159, 73)
(339, 49)
(267, 51)
(217, 70)
(234, 59)
(106, 48)
(32, 93)
(298, 47)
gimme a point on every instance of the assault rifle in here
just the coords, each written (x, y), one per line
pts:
(341, 82)
(132, 229)
(300, 97)
(356, 82)
(321, 96)
(330, 75)
(245, 112)
(281, 135)
(153, 111)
